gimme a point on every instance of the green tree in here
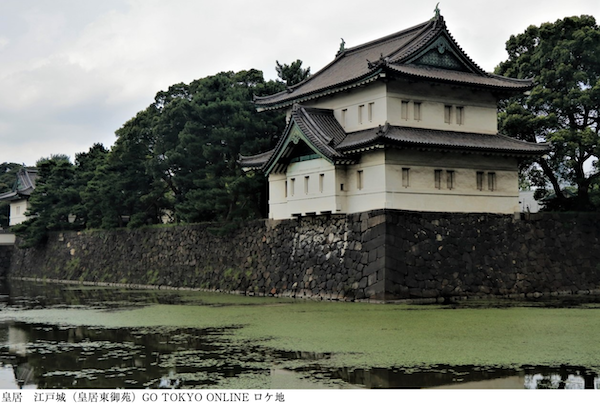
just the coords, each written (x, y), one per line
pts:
(562, 108)
(186, 144)
(293, 73)
(88, 213)
(51, 201)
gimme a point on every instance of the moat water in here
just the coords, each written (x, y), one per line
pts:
(66, 336)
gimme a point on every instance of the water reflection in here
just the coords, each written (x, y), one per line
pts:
(62, 357)
(534, 377)
(37, 355)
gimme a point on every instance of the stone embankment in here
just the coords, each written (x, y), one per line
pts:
(382, 255)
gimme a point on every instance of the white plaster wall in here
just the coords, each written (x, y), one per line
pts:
(372, 194)
(311, 189)
(382, 185)
(422, 194)
(350, 101)
(17, 212)
(479, 108)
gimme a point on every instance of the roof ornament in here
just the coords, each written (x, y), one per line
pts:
(342, 47)
(437, 11)
(380, 62)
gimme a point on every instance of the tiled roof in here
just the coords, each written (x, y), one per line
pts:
(325, 136)
(322, 131)
(394, 54)
(256, 161)
(488, 80)
(439, 139)
(24, 185)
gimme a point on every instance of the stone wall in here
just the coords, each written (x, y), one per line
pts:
(381, 254)
(5, 258)
(432, 255)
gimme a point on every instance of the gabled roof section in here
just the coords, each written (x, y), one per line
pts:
(427, 51)
(24, 185)
(430, 139)
(310, 132)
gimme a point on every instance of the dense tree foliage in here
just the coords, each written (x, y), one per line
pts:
(52, 200)
(177, 159)
(563, 107)
(187, 144)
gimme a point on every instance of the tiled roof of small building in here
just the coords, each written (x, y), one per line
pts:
(24, 185)
(400, 54)
(439, 139)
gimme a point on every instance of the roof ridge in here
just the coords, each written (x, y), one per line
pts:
(348, 51)
(387, 38)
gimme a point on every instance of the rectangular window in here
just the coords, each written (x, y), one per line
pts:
(361, 110)
(341, 187)
(417, 111)
(480, 180)
(492, 181)
(321, 182)
(448, 113)
(405, 177)
(370, 111)
(438, 179)
(344, 113)
(292, 186)
(460, 115)
(450, 179)
(306, 184)
(404, 110)
(359, 179)
(286, 189)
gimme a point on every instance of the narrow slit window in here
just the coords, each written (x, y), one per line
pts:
(450, 179)
(341, 187)
(405, 177)
(404, 110)
(480, 180)
(344, 113)
(417, 111)
(321, 182)
(448, 114)
(359, 179)
(285, 190)
(370, 111)
(306, 184)
(361, 111)
(492, 181)
(438, 179)
(292, 186)
(460, 115)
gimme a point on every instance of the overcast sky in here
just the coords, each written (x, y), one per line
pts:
(72, 71)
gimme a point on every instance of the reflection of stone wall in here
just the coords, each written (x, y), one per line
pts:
(379, 254)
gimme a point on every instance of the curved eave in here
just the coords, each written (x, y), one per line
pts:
(255, 162)
(15, 196)
(452, 78)
(337, 88)
(440, 148)
(402, 137)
